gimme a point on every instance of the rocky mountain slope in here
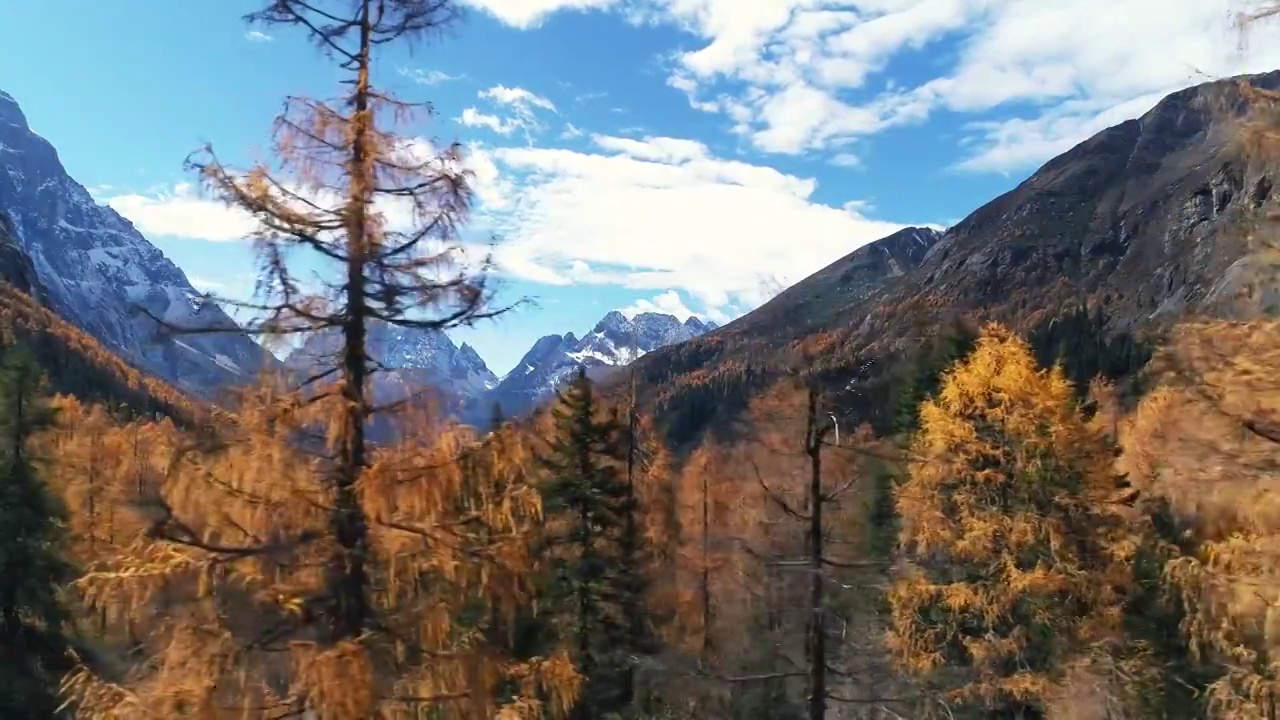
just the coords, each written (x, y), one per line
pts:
(74, 362)
(1148, 220)
(824, 298)
(16, 268)
(98, 270)
(614, 341)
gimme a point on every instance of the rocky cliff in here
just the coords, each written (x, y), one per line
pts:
(408, 360)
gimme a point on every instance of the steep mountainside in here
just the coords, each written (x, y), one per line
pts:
(613, 342)
(74, 362)
(824, 297)
(97, 270)
(1147, 220)
(16, 268)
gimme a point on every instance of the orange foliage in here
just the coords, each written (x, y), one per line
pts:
(1017, 564)
(1205, 441)
(224, 630)
(21, 318)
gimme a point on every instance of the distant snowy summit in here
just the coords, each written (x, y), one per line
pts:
(615, 341)
(408, 359)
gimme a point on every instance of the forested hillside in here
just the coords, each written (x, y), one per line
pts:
(75, 363)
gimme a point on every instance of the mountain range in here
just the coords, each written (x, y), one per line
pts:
(615, 341)
(1148, 220)
(410, 359)
(92, 267)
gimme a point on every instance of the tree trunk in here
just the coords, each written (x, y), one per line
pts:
(348, 578)
(817, 626)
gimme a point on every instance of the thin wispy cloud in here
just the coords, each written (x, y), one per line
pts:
(846, 160)
(257, 36)
(429, 77)
(514, 109)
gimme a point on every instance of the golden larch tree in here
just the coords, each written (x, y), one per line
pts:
(228, 581)
(1207, 442)
(1016, 566)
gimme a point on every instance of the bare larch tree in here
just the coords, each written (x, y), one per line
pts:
(364, 561)
(383, 208)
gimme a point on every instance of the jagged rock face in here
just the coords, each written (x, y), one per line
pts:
(408, 359)
(16, 268)
(613, 342)
(826, 297)
(98, 270)
(1147, 218)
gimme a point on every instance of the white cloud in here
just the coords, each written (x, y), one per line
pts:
(257, 36)
(182, 212)
(665, 214)
(530, 13)
(523, 106)
(517, 98)
(206, 285)
(1019, 143)
(801, 75)
(667, 303)
(659, 149)
(656, 213)
(846, 160)
(472, 117)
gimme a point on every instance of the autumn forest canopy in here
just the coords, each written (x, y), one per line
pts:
(1054, 517)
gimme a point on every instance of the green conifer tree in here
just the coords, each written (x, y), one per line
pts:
(597, 582)
(922, 377)
(34, 646)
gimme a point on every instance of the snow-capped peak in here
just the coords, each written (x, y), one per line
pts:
(614, 341)
(406, 356)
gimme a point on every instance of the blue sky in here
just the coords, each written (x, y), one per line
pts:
(687, 155)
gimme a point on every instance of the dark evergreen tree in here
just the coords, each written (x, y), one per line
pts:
(597, 583)
(34, 625)
(1086, 348)
(923, 374)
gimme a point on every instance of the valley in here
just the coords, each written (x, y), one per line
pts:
(1020, 467)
